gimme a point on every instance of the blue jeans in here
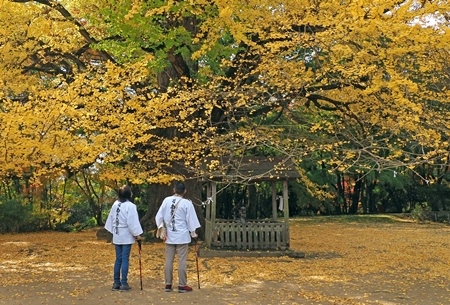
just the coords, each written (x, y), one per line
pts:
(122, 264)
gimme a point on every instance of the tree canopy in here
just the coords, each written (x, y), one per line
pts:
(148, 90)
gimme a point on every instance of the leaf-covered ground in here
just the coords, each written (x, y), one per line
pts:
(346, 262)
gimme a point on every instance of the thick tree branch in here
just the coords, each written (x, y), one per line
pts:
(66, 14)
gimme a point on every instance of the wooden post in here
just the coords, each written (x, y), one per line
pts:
(274, 201)
(213, 203)
(211, 211)
(286, 211)
(208, 224)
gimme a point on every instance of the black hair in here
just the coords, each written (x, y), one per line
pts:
(179, 188)
(124, 193)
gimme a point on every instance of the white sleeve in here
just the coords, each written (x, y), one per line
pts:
(109, 222)
(159, 218)
(133, 221)
(191, 218)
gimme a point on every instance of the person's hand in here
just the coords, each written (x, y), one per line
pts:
(138, 237)
(193, 234)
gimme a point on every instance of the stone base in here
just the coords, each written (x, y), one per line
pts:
(204, 252)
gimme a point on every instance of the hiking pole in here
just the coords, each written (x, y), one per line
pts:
(196, 262)
(140, 264)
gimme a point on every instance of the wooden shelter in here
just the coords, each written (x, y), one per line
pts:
(242, 233)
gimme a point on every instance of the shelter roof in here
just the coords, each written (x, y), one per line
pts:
(250, 168)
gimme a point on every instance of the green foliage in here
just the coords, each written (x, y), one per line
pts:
(305, 203)
(395, 180)
(141, 206)
(15, 216)
(421, 212)
(80, 218)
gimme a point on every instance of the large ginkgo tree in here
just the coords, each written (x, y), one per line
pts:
(148, 90)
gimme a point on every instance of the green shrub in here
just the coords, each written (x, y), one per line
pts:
(80, 219)
(16, 217)
(421, 212)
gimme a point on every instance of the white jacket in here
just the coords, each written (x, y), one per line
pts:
(184, 221)
(123, 223)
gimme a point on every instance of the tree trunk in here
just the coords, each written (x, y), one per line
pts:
(179, 68)
(371, 197)
(340, 194)
(356, 195)
(364, 196)
(154, 195)
(95, 202)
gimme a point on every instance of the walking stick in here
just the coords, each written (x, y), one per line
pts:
(140, 264)
(196, 262)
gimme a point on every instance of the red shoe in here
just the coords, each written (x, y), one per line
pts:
(182, 289)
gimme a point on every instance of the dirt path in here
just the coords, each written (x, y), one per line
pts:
(80, 291)
(354, 264)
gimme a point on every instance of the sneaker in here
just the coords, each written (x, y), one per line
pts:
(182, 289)
(168, 288)
(125, 287)
(116, 287)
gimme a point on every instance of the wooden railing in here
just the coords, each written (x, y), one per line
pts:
(252, 235)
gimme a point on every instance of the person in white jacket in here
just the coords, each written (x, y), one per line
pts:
(178, 215)
(123, 223)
